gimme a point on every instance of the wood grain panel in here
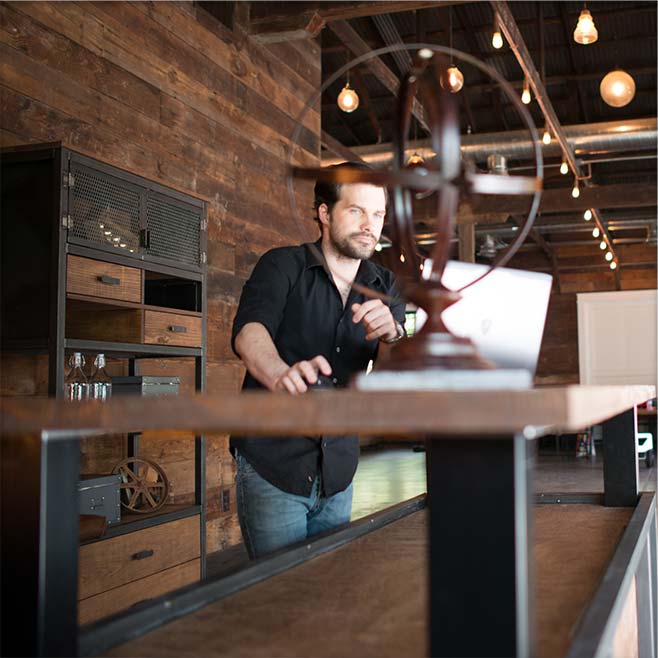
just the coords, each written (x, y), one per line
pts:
(83, 276)
(119, 598)
(166, 91)
(110, 563)
(120, 325)
(172, 329)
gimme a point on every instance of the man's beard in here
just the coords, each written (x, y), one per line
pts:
(351, 249)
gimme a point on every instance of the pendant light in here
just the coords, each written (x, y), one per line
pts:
(587, 215)
(546, 137)
(575, 190)
(497, 37)
(455, 76)
(564, 168)
(617, 88)
(585, 32)
(525, 96)
(348, 99)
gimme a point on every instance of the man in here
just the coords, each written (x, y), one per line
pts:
(299, 318)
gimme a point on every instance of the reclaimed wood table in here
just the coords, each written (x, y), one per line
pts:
(480, 576)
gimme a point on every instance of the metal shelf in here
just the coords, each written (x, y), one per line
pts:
(129, 350)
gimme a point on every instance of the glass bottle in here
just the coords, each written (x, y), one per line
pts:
(76, 386)
(100, 383)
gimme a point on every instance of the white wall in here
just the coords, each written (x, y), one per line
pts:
(617, 337)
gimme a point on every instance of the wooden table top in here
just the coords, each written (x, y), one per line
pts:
(479, 413)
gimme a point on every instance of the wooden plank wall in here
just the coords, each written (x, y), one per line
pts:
(164, 90)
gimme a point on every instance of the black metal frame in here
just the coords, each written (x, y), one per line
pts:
(620, 469)
(99, 637)
(634, 558)
(52, 519)
(488, 577)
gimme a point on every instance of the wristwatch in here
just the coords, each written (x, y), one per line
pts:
(401, 334)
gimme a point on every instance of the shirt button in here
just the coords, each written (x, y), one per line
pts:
(338, 349)
(334, 380)
(310, 479)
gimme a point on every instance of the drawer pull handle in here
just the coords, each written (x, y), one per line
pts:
(109, 280)
(142, 555)
(178, 328)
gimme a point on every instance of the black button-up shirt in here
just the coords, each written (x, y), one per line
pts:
(291, 294)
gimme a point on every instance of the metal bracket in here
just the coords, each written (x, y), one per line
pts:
(203, 257)
(69, 180)
(204, 224)
(67, 221)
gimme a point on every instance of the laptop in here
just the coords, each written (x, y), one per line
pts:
(504, 314)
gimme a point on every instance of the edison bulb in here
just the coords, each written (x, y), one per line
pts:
(596, 232)
(455, 79)
(617, 88)
(348, 99)
(613, 265)
(575, 191)
(525, 96)
(587, 215)
(564, 168)
(497, 40)
(603, 245)
(608, 256)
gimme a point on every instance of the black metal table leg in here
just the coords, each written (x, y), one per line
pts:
(39, 546)
(481, 580)
(620, 470)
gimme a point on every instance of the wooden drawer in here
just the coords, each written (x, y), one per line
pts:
(85, 276)
(114, 600)
(172, 329)
(107, 564)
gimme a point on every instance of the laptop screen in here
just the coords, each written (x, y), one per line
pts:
(504, 314)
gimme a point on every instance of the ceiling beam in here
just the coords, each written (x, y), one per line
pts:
(272, 22)
(348, 35)
(335, 147)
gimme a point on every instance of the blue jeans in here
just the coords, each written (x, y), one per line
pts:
(271, 518)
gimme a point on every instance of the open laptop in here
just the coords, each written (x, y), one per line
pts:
(504, 314)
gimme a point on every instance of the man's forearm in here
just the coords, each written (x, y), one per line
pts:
(259, 354)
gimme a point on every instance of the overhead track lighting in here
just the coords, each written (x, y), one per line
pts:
(617, 88)
(585, 32)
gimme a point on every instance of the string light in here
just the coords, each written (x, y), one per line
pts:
(546, 137)
(613, 265)
(497, 38)
(575, 190)
(525, 96)
(378, 247)
(603, 245)
(564, 168)
(608, 256)
(402, 258)
(596, 232)
(587, 215)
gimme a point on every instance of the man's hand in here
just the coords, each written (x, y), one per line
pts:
(377, 319)
(295, 378)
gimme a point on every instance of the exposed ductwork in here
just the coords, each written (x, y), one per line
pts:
(635, 136)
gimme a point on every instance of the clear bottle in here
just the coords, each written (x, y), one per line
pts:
(100, 383)
(76, 386)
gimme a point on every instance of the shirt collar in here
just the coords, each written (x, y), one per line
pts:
(367, 273)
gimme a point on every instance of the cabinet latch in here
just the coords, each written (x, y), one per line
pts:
(67, 221)
(204, 224)
(203, 257)
(69, 180)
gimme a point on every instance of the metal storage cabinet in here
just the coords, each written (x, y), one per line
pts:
(97, 259)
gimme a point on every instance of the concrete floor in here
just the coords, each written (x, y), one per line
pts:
(391, 473)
